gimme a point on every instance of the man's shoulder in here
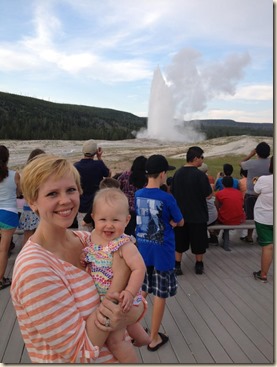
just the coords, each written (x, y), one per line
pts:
(251, 163)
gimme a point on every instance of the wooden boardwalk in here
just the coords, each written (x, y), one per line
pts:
(222, 316)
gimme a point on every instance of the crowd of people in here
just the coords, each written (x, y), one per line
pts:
(95, 246)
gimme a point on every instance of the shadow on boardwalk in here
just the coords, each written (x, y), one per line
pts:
(222, 316)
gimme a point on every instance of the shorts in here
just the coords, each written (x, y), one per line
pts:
(249, 203)
(8, 220)
(28, 220)
(193, 235)
(264, 233)
(162, 284)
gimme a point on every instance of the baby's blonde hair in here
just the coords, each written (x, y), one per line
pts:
(111, 196)
(38, 170)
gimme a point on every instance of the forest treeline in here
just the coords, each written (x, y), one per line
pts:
(26, 118)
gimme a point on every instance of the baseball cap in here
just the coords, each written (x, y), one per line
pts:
(203, 167)
(157, 163)
(89, 147)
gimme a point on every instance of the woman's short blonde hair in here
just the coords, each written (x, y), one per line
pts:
(38, 170)
(111, 195)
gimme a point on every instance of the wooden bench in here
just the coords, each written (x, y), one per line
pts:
(248, 224)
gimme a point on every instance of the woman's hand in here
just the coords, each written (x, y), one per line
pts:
(83, 260)
(111, 308)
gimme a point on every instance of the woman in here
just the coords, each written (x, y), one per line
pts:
(263, 216)
(28, 221)
(9, 190)
(130, 182)
(56, 301)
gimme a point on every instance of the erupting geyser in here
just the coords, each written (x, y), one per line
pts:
(189, 85)
(161, 109)
(161, 123)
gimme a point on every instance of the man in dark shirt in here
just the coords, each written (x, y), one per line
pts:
(92, 172)
(191, 187)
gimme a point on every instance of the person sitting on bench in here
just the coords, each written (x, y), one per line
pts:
(229, 203)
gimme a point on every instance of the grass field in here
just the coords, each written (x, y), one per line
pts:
(215, 164)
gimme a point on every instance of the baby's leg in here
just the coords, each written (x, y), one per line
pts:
(123, 350)
(101, 337)
(138, 334)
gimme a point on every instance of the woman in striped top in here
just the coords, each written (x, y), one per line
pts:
(56, 302)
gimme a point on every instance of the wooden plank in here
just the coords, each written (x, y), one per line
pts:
(242, 318)
(222, 316)
(233, 270)
(6, 326)
(25, 359)
(215, 349)
(211, 318)
(4, 300)
(220, 305)
(180, 349)
(15, 347)
(182, 323)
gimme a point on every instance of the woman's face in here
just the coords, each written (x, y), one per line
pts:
(58, 201)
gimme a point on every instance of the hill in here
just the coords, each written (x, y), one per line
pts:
(26, 118)
(30, 118)
(217, 128)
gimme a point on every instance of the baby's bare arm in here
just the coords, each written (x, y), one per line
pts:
(136, 263)
(121, 273)
(129, 270)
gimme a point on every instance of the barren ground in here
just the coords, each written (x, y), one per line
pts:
(118, 155)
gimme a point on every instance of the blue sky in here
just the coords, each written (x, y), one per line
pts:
(215, 55)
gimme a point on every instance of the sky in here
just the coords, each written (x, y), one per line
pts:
(215, 56)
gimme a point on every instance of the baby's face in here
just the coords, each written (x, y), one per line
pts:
(110, 220)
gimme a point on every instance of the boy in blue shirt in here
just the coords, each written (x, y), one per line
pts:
(157, 214)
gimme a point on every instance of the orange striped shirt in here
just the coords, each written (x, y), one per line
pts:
(52, 300)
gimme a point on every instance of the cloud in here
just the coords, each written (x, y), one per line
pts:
(237, 115)
(41, 51)
(252, 92)
(91, 44)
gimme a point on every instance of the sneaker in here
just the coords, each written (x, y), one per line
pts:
(246, 239)
(257, 276)
(199, 267)
(178, 271)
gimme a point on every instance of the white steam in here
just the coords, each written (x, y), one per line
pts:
(188, 86)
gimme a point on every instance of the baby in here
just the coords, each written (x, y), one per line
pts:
(110, 213)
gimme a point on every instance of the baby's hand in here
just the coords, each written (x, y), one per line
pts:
(126, 299)
(83, 260)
